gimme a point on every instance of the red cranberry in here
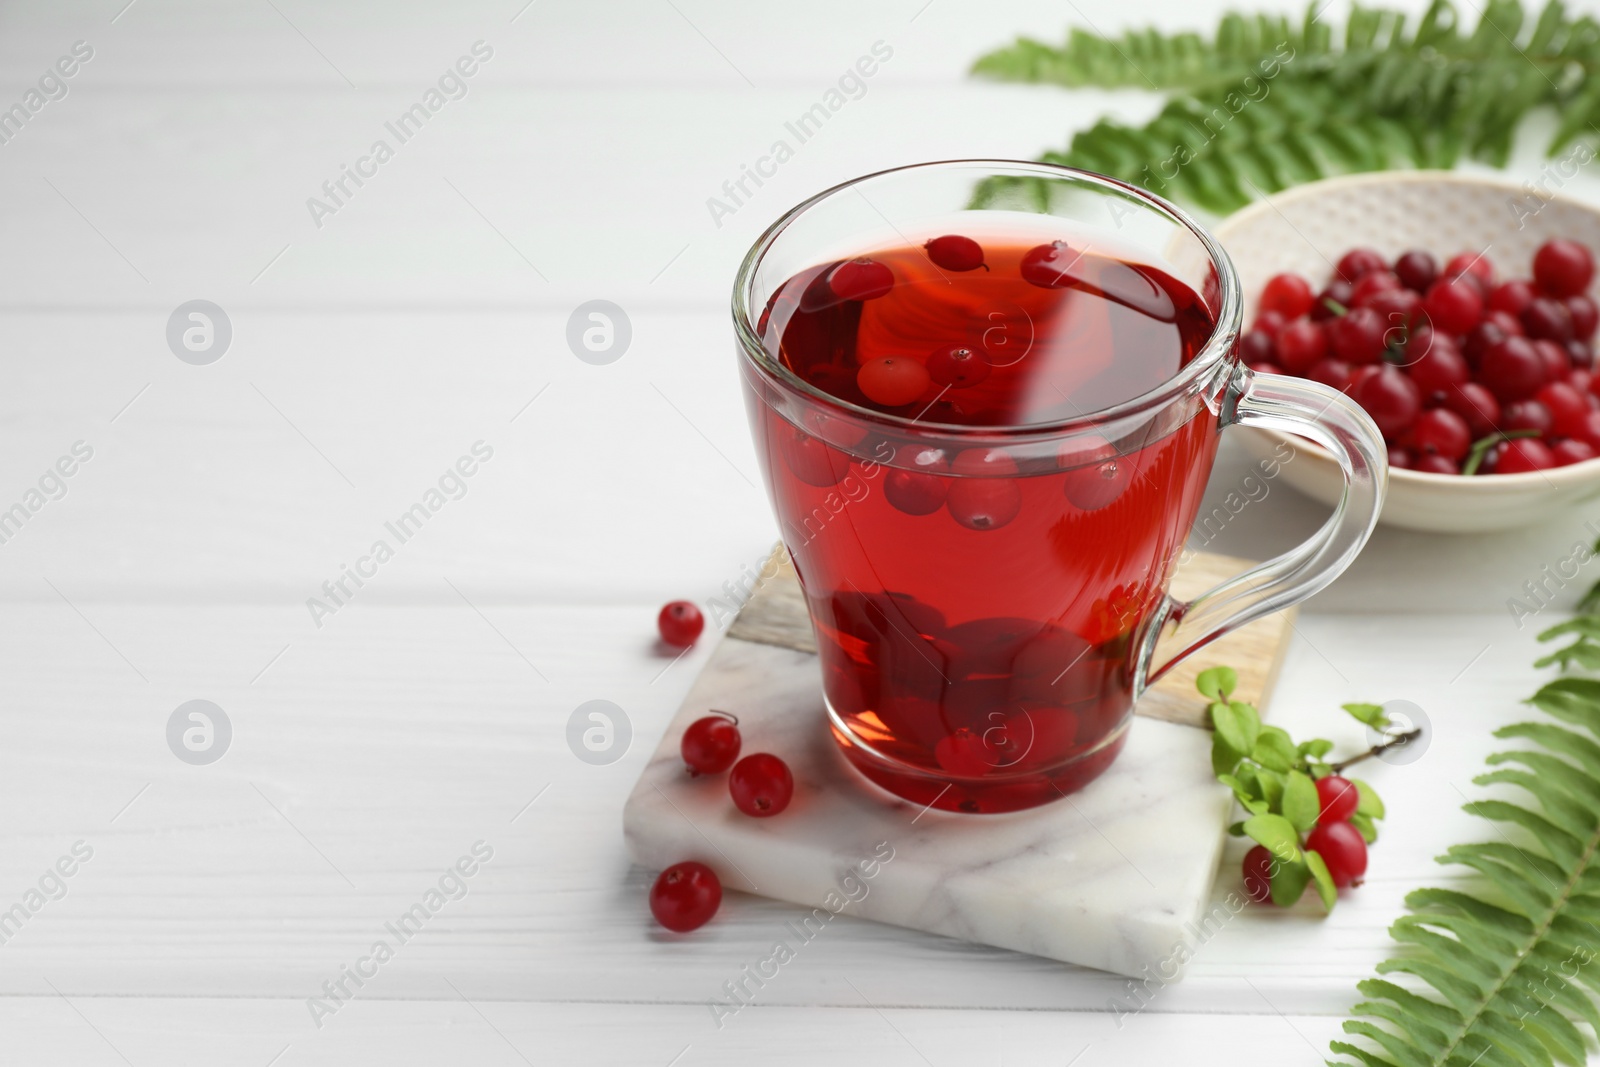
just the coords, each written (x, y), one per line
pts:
(1479, 340)
(1562, 267)
(1476, 404)
(957, 366)
(1522, 455)
(711, 743)
(1267, 368)
(1416, 270)
(981, 496)
(1512, 297)
(1358, 263)
(1573, 451)
(1433, 464)
(954, 252)
(1585, 316)
(1553, 357)
(1471, 264)
(1287, 294)
(1300, 345)
(1371, 284)
(1567, 408)
(1256, 347)
(761, 785)
(919, 490)
(1453, 306)
(1580, 354)
(1258, 867)
(1400, 457)
(1337, 293)
(1580, 380)
(1509, 324)
(1047, 266)
(1097, 476)
(1357, 336)
(810, 460)
(861, 279)
(1399, 309)
(1591, 430)
(1338, 798)
(1527, 415)
(1342, 848)
(892, 381)
(685, 896)
(1547, 319)
(1270, 323)
(1392, 399)
(1334, 373)
(1439, 367)
(1512, 369)
(1441, 432)
(680, 623)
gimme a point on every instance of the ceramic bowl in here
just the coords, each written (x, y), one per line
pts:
(1307, 228)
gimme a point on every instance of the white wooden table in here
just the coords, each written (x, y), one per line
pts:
(429, 711)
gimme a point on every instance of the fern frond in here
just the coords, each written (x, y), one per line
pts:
(1263, 104)
(1506, 975)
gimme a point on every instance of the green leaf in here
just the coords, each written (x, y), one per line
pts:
(1224, 757)
(1231, 727)
(1300, 804)
(1371, 714)
(1364, 824)
(1246, 797)
(1277, 834)
(1315, 749)
(1274, 749)
(1323, 879)
(1289, 880)
(1216, 683)
(1368, 804)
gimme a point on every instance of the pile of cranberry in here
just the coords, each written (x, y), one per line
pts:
(1463, 374)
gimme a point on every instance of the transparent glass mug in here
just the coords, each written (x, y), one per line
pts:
(993, 665)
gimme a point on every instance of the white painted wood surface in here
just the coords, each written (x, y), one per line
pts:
(372, 752)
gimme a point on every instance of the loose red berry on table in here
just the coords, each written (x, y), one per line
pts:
(1416, 270)
(1342, 848)
(1049, 266)
(955, 252)
(1392, 399)
(1358, 263)
(680, 623)
(711, 744)
(1300, 345)
(1562, 267)
(761, 785)
(1258, 867)
(957, 366)
(893, 381)
(861, 279)
(1337, 798)
(685, 896)
(1287, 294)
(1452, 305)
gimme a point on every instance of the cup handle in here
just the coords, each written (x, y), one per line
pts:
(1328, 417)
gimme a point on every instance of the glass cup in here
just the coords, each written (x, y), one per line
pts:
(982, 645)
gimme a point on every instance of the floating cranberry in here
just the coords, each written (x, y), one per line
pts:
(1300, 345)
(1333, 300)
(1357, 336)
(1547, 319)
(893, 381)
(1098, 475)
(1337, 797)
(1258, 867)
(711, 743)
(954, 252)
(1453, 306)
(962, 753)
(1342, 849)
(680, 624)
(1358, 263)
(761, 785)
(1512, 369)
(685, 896)
(1289, 295)
(1256, 347)
(1440, 432)
(919, 490)
(1562, 267)
(1416, 270)
(957, 366)
(1585, 316)
(1523, 455)
(984, 503)
(1047, 265)
(1571, 451)
(861, 279)
(1476, 404)
(1392, 399)
(1435, 464)
(1512, 296)
(810, 460)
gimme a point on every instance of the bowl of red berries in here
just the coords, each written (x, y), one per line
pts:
(1459, 312)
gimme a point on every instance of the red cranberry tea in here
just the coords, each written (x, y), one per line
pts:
(976, 606)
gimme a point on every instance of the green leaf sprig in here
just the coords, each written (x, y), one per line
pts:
(1274, 781)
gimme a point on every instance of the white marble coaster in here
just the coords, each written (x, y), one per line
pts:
(1113, 877)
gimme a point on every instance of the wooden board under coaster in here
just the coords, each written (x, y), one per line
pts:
(1115, 876)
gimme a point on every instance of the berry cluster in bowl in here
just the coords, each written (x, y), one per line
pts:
(1462, 372)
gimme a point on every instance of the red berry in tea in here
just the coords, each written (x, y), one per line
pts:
(861, 279)
(711, 743)
(954, 252)
(680, 624)
(685, 896)
(957, 366)
(1049, 266)
(893, 381)
(761, 785)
